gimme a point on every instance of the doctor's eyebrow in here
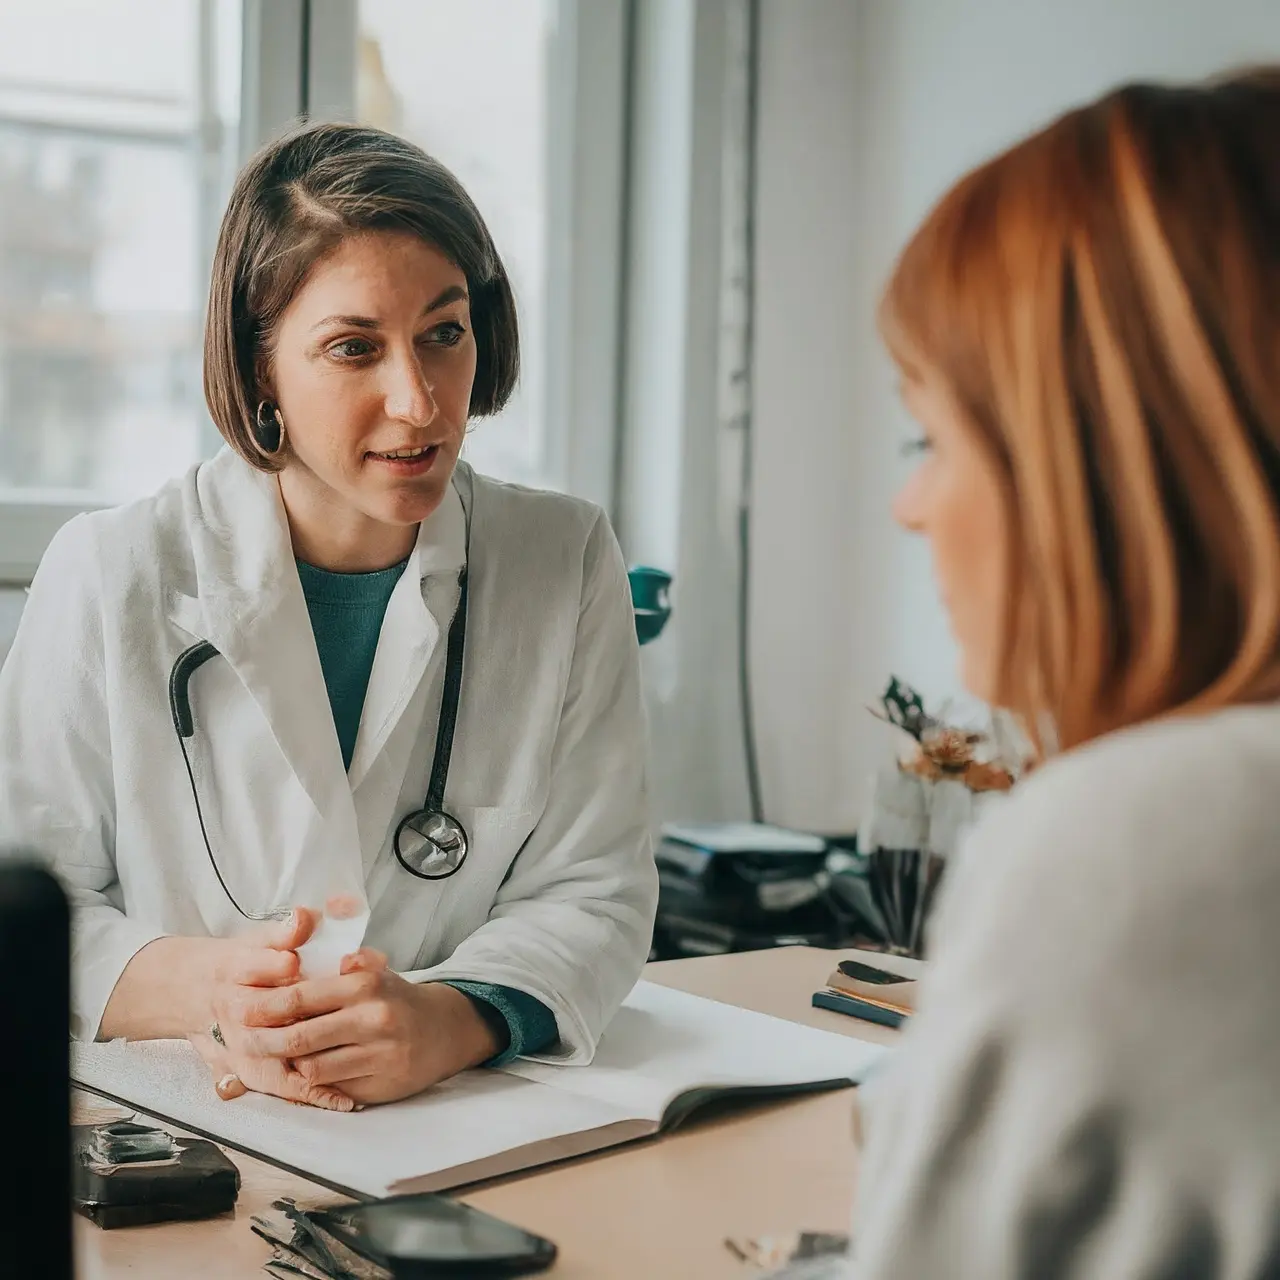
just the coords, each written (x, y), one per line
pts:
(454, 293)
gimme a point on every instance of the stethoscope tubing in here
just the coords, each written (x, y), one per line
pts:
(191, 659)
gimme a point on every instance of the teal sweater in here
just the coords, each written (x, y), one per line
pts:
(346, 616)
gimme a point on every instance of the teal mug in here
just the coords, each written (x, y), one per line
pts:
(651, 600)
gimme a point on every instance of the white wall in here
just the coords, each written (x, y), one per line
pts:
(11, 602)
(869, 109)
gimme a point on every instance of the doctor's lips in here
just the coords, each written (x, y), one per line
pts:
(408, 462)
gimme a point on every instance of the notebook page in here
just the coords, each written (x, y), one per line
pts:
(467, 1119)
(665, 1042)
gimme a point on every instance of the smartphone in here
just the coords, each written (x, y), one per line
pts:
(429, 1236)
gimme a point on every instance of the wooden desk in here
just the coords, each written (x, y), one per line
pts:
(659, 1208)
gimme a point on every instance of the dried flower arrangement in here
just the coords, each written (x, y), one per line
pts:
(918, 808)
(942, 752)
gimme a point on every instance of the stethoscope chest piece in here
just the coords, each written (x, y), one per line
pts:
(431, 844)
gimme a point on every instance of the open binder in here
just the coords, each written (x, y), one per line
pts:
(666, 1054)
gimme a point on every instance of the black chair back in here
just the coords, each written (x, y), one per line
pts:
(35, 1096)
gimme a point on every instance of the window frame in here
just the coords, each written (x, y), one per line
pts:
(298, 61)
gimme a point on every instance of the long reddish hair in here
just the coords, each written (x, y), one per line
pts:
(1104, 302)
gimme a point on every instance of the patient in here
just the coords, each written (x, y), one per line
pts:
(1088, 333)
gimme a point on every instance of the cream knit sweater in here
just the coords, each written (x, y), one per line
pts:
(1091, 1089)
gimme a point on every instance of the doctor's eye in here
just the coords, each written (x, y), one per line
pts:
(921, 444)
(448, 334)
(350, 349)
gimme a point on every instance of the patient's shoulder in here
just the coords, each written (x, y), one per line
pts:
(1138, 850)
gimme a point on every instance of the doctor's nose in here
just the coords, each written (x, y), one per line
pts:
(410, 397)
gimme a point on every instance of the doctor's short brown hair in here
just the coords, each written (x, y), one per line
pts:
(292, 204)
(1103, 302)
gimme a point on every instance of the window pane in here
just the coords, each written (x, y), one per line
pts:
(116, 152)
(470, 84)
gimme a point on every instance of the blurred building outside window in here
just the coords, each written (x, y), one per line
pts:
(116, 152)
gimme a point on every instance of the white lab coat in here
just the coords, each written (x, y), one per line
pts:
(558, 894)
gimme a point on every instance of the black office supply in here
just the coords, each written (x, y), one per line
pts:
(838, 1002)
(426, 1237)
(742, 887)
(35, 1004)
(196, 1181)
(868, 991)
(875, 977)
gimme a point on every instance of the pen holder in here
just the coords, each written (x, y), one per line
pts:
(889, 893)
(903, 885)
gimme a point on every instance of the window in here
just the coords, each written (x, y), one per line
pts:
(115, 155)
(122, 123)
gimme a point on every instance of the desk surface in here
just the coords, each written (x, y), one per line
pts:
(658, 1208)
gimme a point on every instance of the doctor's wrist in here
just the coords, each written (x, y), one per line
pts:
(499, 1038)
(470, 1031)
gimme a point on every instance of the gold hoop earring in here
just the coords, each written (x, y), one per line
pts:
(268, 429)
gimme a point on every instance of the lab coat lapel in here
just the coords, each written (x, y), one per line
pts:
(418, 616)
(252, 608)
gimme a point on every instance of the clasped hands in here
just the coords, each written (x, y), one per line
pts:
(364, 1035)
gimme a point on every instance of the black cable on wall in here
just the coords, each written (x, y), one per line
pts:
(304, 68)
(747, 267)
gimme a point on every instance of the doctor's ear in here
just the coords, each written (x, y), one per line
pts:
(264, 386)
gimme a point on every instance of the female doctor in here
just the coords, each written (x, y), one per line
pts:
(333, 658)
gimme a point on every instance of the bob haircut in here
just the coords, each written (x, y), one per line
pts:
(291, 205)
(1103, 301)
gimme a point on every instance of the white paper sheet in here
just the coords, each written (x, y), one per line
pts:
(664, 1042)
(471, 1117)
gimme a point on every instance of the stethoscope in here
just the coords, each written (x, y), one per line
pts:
(429, 843)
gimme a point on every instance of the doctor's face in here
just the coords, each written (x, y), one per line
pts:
(954, 500)
(372, 369)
